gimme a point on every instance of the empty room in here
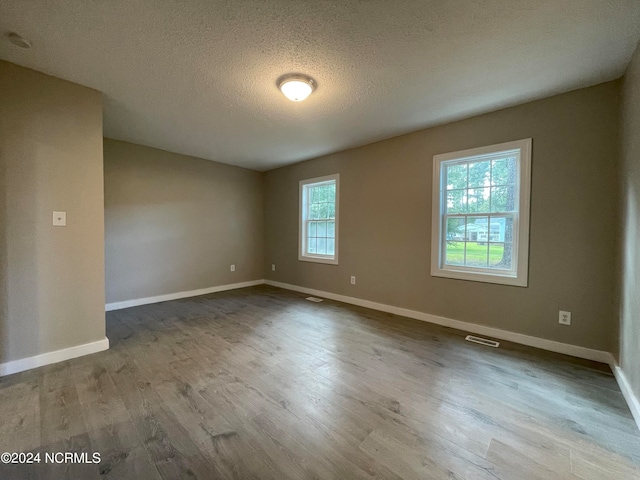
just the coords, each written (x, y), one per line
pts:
(331, 239)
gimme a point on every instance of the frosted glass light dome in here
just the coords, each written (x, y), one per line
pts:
(297, 87)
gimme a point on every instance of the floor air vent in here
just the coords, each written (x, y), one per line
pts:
(482, 341)
(314, 299)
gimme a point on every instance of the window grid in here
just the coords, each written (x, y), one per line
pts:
(480, 213)
(319, 220)
(318, 231)
(487, 187)
(489, 242)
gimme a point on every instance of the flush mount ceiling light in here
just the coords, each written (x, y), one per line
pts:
(19, 40)
(296, 87)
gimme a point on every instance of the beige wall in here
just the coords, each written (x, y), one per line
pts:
(176, 223)
(385, 215)
(51, 278)
(629, 344)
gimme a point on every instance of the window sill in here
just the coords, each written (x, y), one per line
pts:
(312, 259)
(521, 281)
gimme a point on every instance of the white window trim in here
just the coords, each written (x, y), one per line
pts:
(302, 231)
(437, 217)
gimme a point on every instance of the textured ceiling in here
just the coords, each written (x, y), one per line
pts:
(199, 76)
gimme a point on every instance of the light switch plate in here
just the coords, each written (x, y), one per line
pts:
(59, 219)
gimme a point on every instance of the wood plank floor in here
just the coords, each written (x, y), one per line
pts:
(259, 383)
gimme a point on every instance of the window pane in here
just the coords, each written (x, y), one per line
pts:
(500, 255)
(331, 246)
(498, 199)
(317, 194)
(331, 210)
(479, 174)
(503, 171)
(477, 248)
(312, 229)
(312, 245)
(331, 229)
(322, 229)
(454, 246)
(509, 231)
(476, 254)
(322, 246)
(499, 172)
(314, 194)
(457, 201)
(323, 209)
(497, 228)
(456, 176)
(314, 211)
(454, 253)
(455, 229)
(478, 200)
(477, 229)
(503, 199)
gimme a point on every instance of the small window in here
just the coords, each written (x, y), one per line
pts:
(480, 218)
(319, 219)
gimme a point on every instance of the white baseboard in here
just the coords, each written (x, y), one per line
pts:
(56, 356)
(550, 345)
(176, 296)
(627, 392)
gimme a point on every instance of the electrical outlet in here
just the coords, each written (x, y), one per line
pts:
(233, 268)
(353, 280)
(564, 318)
(273, 267)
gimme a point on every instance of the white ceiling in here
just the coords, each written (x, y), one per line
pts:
(199, 76)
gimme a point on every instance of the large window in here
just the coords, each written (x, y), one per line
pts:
(319, 219)
(480, 218)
